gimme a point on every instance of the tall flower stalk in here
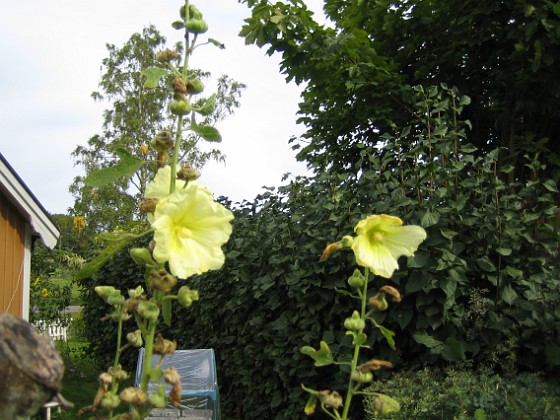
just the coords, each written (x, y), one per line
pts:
(380, 240)
(188, 226)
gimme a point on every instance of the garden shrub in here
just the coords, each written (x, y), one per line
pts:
(434, 394)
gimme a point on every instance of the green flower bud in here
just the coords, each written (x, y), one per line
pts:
(310, 406)
(105, 291)
(355, 323)
(148, 310)
(158, 400)
(186, 296)
(142, 256)
(136, 293)
(196, 26)
(195, 86)
(180, 107)
(362, 377)
(110, 401)
(166, 56)
(194, 13)
(115, 299)
(357, 280)
(135, 338)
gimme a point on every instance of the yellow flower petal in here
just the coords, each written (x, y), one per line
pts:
(190, 229)
(159, 186)
(381, 240)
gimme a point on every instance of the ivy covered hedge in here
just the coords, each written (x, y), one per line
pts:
(484, 285)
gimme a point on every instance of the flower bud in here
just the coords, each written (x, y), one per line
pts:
(148, 310)
(158, 400)
(105, 291)
(110, 401)
(194, 86)
(378, 302)
(142, 256)
(390, 290)
(119, 374)
(148, 205)
(134, 396)
(310, 406)
(105, 379)
(163, 142)
(179, 86)
(136, 293)
(186, 296)
(166, 56)
(115, 299)
(357, 280)
(135, 338)
(162, 280)
(362, 377)
(355, 323)
(188, 173)
(171, 375)
(180, 107)
(331, 399)
(196, 26)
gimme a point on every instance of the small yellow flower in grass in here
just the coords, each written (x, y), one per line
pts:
(36, 281)
(44, 292)
(190, 229)
(381, 239)
(144, 149)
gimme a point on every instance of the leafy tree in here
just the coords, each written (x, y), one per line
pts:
(360, 70)
(132, 122)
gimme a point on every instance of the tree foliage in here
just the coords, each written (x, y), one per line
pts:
(359, 70)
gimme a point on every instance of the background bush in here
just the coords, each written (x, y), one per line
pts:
(433, 394)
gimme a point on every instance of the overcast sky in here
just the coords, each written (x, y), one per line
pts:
(51, 53)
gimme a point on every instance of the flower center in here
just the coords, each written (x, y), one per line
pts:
(184, 233)
(377, 236)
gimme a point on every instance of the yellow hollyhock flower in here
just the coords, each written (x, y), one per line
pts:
(380, 241)
(159, 186)
(190, 229)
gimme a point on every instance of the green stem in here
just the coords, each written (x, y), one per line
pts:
(148, 351)
(352, 388)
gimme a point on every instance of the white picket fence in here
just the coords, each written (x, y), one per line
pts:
(55, 330)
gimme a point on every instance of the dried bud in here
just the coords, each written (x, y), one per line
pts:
(331, 399)
(390, 290)
(186, 296)
(162, 280)
(175, 394)
(188, 173)
(148, 205)
(135, 338)
(345, 242)
(374, 364)
(163, 346)
(105, 379)
(119, 374)
(148, 310)
(163, 142)
(131, 305)
(383, 405)
(166, 56)
(179, 86)
(134, 396)
(171, 375)
(378, 302)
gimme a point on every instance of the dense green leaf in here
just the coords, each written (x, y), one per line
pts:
(153, 75)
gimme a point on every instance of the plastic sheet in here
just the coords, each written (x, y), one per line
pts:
(197, 369)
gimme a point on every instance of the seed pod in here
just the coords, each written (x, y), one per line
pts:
(148, 310)
(362, 377)
(355, 323)
(142, 256)
(110, 401)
